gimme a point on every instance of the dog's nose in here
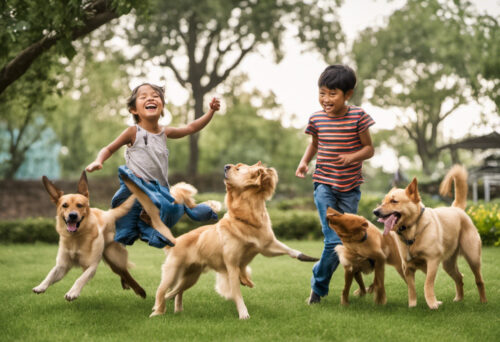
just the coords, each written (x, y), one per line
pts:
(73, 216)
(227, 167)
(376, 212)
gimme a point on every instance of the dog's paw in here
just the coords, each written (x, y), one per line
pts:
(304, 257)
(39, 289)
(155, 313)
(244, 315)
(71, 296)
(435, 305)
(344, 301)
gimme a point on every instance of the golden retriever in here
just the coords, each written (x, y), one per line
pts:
(364, 249)
(428, 236)
(227, 246)
(85, 237)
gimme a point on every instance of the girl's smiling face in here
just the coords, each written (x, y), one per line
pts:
(148, 104)
(333, 100)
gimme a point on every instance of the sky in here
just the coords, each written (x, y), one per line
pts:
(294, 79)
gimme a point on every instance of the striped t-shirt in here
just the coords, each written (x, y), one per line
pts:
(338, 135)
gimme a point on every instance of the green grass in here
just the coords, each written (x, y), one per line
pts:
(104, 312)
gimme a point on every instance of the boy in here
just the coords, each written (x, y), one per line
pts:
(341, 138)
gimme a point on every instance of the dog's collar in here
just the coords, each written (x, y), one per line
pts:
(403, 228)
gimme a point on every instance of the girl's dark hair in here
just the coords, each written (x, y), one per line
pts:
(133, 97)
(338, 76)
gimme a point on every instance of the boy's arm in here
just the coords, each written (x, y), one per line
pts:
(124, 138)
(196, 125)
(364, 153)
(310, 152)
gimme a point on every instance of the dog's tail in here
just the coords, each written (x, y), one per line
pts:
(123, 208)
(457, 175)
(184, 194)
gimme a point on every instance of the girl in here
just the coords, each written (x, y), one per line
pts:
(146, 161)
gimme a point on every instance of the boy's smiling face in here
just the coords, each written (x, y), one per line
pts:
(148, 104)
(333, 100)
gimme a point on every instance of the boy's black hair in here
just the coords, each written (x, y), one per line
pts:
(133, 97)
(338, 76)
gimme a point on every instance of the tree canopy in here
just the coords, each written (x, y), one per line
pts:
(431, 58)
(203, 42)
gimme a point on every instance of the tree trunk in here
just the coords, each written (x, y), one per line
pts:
(192, 170)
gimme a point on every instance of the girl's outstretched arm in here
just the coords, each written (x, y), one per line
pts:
(126, 137)
(196, 125)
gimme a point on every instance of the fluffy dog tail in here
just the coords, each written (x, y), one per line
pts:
(184, 194)
(457, 175)
(123, 208)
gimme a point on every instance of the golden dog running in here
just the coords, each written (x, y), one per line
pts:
(428, 236)
(85, 236)
(227, 246)
(364, 249)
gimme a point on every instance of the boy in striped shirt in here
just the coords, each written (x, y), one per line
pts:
(341, 140)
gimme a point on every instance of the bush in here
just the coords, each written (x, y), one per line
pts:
(29, 230)
(486, 218)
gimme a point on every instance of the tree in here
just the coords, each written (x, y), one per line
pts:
(203, 42)
(428, 60)
(25, 117)
(28, 29)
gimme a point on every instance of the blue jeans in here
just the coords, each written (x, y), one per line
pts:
(344, 202)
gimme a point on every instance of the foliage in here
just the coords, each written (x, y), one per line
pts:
(105, 312)
(91, 111)
(202, 42)
(28, 231)
(29, 29)
(486, 218)
(408, 65)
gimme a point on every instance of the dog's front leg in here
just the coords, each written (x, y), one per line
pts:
(55, 274)
(410, 282)
(233, 273)
(348, 275)
(75, 290)
(378, 281)
(430, 297)
(277, 247)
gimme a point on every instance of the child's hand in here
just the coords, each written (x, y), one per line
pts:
(345, 159)
(215, 104)
(301, 170)
(93, 166)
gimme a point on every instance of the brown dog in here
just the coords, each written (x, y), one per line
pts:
(85, 236)
(226, 247)
(428, 236)
(363, 249)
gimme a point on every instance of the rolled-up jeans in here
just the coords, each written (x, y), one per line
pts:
(344, 202)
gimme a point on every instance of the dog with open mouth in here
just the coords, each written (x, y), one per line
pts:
(364, 249)
(86, 235)
(427, 237)
(228, 246)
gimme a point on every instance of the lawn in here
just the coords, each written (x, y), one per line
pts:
(104, 312)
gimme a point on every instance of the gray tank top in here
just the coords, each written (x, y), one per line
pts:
(148, 157)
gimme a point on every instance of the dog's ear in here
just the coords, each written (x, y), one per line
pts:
(331, 213)
(364, 226)
(83, 185)
(53, 191)
(412, 191)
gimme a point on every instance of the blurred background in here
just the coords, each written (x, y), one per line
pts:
(428, 73)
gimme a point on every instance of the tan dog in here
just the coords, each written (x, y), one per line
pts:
(85, 236)
(363, 249)
(428, 236)
(226, 247)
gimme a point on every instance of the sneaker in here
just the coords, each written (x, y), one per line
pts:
(313, 298)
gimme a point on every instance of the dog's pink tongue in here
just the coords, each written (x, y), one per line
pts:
(71, 227)
(389, 223)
